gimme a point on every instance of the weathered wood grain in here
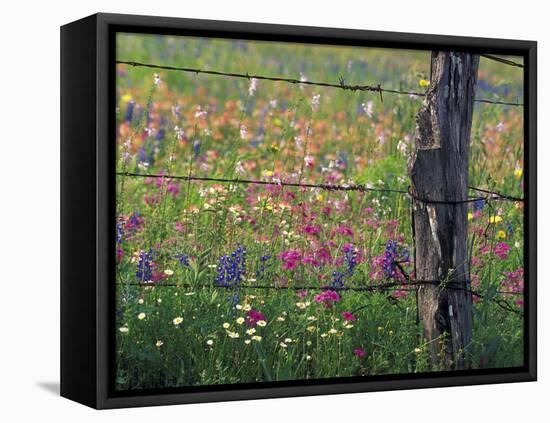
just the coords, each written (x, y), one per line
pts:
(439, 171)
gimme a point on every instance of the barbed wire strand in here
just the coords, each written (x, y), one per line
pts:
(341, 84)
(492, 195)
(502, 60)
(381, 288)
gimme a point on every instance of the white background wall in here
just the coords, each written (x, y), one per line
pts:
(29, 208)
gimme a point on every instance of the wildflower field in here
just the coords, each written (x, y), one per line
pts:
(223, 282)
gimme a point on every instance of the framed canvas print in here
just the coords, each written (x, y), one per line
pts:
(254, 211)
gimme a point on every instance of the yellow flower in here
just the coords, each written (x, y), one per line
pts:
(251, 331)
(320, 197)
(159, 343)
(301, 305)
(495, 219)
(140, 301)
(501, 234)
(280, 319)
(168, 272)
(333, 331)
(232, 334)
(177, 320)
(240, 320)
(239, 307)
(247, 307)
(288, 340)
(226, 325)
(308, 357)
(261, 323)
(123, 329)
(417, 350)
(210, 342)
(283, 345)
(470, 216)
(126, 97)
(256, 338)
(247, 341)
(348, 326)
(141, 316)
(424, 83)
(518, 172)
(311, 328)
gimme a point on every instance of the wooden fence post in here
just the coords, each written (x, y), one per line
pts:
(439, 175)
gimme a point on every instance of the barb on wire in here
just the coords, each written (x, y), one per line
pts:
(494, 195)
(502, 60)
(341, 84)
(326, 187)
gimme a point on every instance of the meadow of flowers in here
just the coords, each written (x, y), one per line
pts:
(221, 283)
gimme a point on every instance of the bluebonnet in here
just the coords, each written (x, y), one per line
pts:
(509, 227)
(160, 134)
(350, 255)
(119, 233)
(230, 273)
(263, 265)
(231, 268)
(393, 255)
(196, 147)
(183, 259)
(129, 111)
(146, 155)
(144, 273)
(479, 204)
(337, 280)
(134, 219)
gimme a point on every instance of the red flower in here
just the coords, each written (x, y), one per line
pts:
(253, 317)
(348, 316)
(344, 230)
(290, 259)
(501, 250)
(327, 298)
(359, 352)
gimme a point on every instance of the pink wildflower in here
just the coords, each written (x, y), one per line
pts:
(290, 259)
(328, 298)
(253, 317)
(312, 229)
(348, 316)
(501, 250)
(344, 230)
(359, 352)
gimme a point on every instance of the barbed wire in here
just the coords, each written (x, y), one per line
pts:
(379, 288)
(492, 195)
(502, 60)
(341, 84)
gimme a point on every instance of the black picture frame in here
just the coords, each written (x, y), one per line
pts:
(87, 208)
